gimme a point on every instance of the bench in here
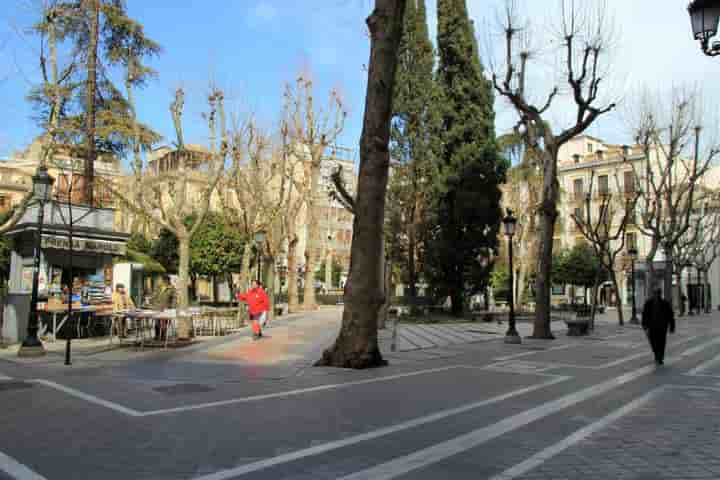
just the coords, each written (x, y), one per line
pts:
(578, 327)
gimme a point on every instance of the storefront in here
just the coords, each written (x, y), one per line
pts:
(87, 264)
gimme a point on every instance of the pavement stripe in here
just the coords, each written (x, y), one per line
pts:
(4, 378)
(703, 367)
(440, 331)
(288, 393)
(17, 470)
(419, 333)
(326, 447)
(90, 398)
(441, 451)
(535, 352)
(546, 454)
(414, 338)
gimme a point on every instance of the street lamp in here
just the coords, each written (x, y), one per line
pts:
(704, 17)
(42, 187)
(510, 222)
(633, 254)
(259, 240)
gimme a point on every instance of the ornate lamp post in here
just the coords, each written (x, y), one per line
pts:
(510, 222)
(42, 188)
(704, 17)
(633, 254)
(259, 241)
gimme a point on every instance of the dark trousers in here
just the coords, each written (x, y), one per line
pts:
(658, 339)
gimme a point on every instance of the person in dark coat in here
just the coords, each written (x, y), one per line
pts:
(657, 318)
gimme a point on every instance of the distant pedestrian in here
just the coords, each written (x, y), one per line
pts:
(258, 306)
(121, 304)
(683, 304)
(657, 317)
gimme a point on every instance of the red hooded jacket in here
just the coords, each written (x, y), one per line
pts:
(257, 300)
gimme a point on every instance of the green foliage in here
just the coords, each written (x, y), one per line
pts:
(216, 248)
(414, 143)
(337, 271)
(164, 249)
(469, 170)
(122, 43)
(577, 266)
(500, 282)
(139, 243)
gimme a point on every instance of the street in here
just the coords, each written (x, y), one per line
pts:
(470, 407)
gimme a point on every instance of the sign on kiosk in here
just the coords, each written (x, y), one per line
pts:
(84, 245)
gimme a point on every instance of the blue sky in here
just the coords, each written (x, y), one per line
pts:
(251, 47)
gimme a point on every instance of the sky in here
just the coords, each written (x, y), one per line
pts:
(250, 48)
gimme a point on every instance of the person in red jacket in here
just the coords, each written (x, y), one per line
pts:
(258, 306)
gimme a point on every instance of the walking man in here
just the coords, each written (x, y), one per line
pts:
(657, 317)
(258, 305)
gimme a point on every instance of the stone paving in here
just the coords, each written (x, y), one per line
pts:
(461, 405)
(673, 436)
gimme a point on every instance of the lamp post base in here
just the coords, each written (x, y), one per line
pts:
(31, 349)
(513, 338)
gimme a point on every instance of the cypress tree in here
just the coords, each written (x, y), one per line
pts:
(414, 132)
(470, 169)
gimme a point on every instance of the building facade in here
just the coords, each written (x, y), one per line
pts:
(589, 172)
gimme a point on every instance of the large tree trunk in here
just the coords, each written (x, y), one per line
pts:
(385, 283)
(311, 248)
(548, 215)
(90, 97)
(328, 270)
(357, 345)
(183, 302)
(292, 277)
(668, 276)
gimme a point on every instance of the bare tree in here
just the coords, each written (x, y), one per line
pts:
(666, 129)
(521, 194)
(606, 231)
(314, 130)
(244, 184)
(584, 35)
(700, 245)
(357, 345)
(178, 198)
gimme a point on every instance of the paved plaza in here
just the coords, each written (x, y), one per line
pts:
(455, 402)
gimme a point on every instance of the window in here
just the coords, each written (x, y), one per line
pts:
(630, 241)
(578, 188)
(590, 147)
(579, 215)
(3, 201)
(629, 181)
(631, 214)
(603, 186)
